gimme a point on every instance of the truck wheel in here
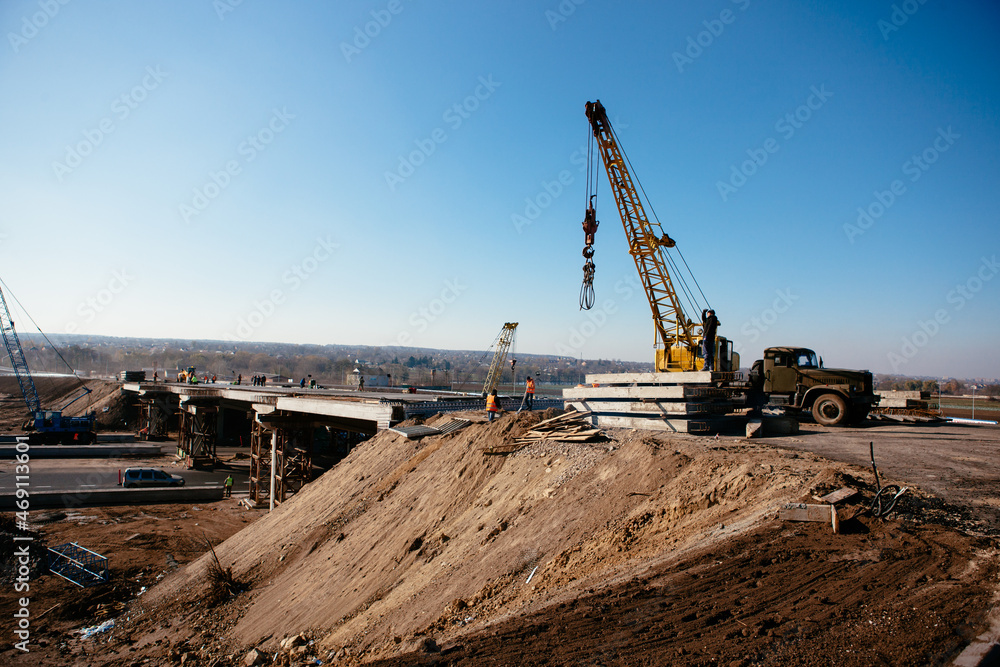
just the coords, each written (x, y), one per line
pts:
(829, 410)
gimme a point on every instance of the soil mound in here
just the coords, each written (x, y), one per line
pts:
(647, 548)
(105, 398)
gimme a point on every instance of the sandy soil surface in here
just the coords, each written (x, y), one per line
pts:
(641, 549)
(143, 544)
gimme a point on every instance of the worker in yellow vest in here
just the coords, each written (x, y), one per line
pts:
(492, 405)
(529, 393)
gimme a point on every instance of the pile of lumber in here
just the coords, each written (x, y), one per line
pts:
(567, 427)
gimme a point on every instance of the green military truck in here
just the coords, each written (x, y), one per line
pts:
(794, 378)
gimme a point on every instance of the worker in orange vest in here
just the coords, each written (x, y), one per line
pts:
(530, 393)
(492, 406)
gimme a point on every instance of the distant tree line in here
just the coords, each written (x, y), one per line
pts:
(953, 386)
(328, 364)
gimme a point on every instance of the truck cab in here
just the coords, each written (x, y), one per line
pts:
(794, 377)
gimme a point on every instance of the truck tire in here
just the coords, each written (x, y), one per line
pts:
(829, 410)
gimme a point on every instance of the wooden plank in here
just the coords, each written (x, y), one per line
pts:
(563, 417)
(838, 496)
(807, 512)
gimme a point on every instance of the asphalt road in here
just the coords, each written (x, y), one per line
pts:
(84, 474)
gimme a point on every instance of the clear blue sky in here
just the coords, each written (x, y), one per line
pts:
(194, 169)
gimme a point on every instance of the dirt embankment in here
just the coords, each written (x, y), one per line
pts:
(642, 550)
(143, 545)
(103, 397)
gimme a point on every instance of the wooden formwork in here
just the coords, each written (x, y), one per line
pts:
(292, 460)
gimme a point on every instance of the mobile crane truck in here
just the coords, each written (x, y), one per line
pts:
(791, 377)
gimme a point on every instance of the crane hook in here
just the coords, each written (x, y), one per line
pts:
(590, 224)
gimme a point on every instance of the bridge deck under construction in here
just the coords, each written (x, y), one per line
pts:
(283, 421)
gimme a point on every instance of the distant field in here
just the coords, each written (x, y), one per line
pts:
(953, 406)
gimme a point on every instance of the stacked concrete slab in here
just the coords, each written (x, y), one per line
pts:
(680, 402)
(914, 400)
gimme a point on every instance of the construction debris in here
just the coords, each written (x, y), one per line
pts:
(905, 407)
(421, 430)
(838, 496)
(807, 512)
(906, 416)
(567, 427)
(78, 564)
(415, 432)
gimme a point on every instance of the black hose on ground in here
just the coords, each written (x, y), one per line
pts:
(885, 496)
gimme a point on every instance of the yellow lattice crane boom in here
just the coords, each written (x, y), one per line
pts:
(677, 337)
(502, 343)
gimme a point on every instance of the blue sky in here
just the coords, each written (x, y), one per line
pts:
(396, 172)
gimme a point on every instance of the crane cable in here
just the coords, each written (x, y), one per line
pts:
(680, 276)
(55, 349)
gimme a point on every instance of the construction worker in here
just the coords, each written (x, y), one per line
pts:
(229, 486)
(709, 325)
(529, 393)
(492, 405)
